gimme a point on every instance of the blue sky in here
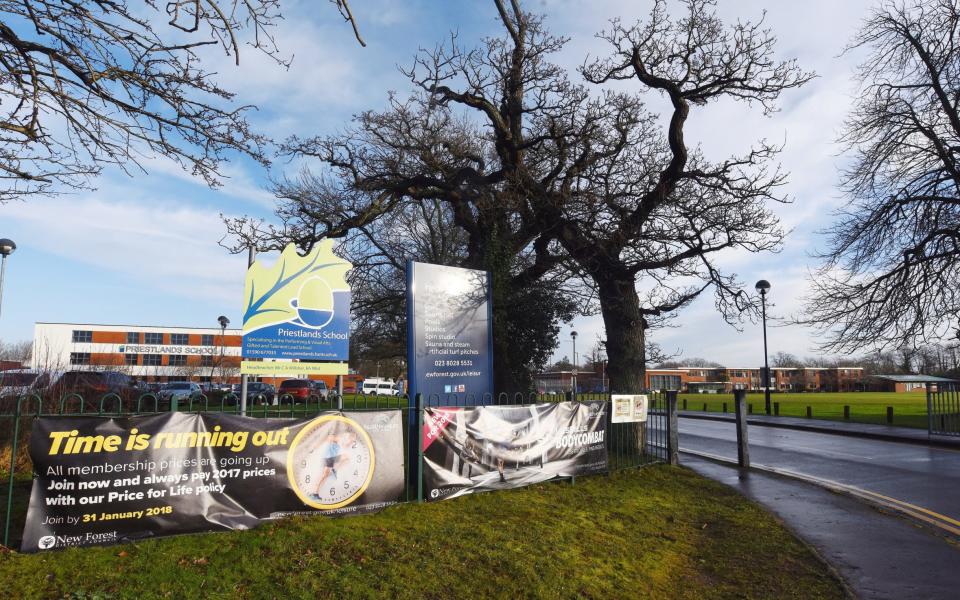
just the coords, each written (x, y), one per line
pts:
(144, 249)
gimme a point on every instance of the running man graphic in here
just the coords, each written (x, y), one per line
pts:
(331, 453)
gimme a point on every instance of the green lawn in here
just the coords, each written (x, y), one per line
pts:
(909, 409)
(660, 532)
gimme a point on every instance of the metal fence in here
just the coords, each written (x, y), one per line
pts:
(943, 406)
(629, 445)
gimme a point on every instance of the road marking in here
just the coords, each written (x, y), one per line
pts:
(926, 515)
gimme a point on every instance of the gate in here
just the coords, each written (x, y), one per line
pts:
(943, 408)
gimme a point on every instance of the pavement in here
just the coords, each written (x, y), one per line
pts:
(879, 556)
(865, 430)
(884, 513)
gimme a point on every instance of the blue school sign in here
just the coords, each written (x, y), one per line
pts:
(449, 334)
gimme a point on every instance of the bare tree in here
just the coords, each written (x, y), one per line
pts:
(21, 351)
(785, 359)
(89, 84)
(462, 148)
(658, 211)
(891, 269)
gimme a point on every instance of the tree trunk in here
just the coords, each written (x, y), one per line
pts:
(626, 351)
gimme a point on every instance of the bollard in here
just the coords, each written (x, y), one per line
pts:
(776, 409)
(890, 415)
(809, 412)
(846, 413)
(673, 427)
(724, 408)
(684, 404)
(704, 407)
(750, 409)
(740, 405)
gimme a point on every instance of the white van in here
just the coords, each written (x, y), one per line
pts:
(377, 386)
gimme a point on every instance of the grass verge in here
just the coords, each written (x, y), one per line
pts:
(909, 409)
(659, 532)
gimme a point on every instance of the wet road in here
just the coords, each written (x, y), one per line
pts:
(923, 477)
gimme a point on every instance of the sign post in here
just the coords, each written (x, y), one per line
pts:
(449, 340)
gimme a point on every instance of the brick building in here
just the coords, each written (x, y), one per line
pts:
(713, 380)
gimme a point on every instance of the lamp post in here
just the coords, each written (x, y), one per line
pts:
(223, 328)
(763, 286)
(573, 379)
(603, 372)
(6, 249)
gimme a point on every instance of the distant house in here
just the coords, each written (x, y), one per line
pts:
(905, 383)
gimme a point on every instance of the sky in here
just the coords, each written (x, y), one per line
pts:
(144, 249)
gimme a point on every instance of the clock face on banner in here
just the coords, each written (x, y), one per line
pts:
(330, 462)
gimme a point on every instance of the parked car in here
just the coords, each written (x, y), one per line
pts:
(97, 383)
(260, 393)
(379, 387)
(257, 392)
(302, 390)
(22, 382)
(181, 391)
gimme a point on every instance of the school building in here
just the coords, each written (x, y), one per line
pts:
(146, 352)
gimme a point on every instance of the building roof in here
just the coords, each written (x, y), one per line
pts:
(915, 378)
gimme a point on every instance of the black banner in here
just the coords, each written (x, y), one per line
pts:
(106, 480)
(467, 450)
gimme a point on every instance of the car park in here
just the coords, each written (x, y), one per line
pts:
(97, 383)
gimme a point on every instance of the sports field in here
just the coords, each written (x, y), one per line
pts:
(909, 409)
(660, 532)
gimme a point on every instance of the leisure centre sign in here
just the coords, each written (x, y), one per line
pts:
(449, 333)
(108, 480)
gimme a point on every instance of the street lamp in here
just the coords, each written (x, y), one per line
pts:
(223, 328)
(573, 379)
(763, 286)
(6, 249)
(603, 373)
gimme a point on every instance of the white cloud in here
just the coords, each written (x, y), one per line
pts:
(166, 246)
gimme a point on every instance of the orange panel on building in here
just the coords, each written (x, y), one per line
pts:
(109, 337)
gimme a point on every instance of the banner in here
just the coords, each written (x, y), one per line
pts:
(298, 308)
(449, 347)
(107, 480)
(628, 408)
(466, 450)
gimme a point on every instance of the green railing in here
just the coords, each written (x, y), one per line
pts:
(629, 445)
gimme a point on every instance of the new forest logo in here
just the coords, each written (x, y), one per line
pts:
(299, 307)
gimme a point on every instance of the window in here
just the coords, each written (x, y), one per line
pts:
(206, 340)
(130, 359)
(179, 339)
(82, 337)
(79, 358)
(133, 337)
(665, 382)
(151, 360)
(178, 360)
(153, 338)
(206, 360)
